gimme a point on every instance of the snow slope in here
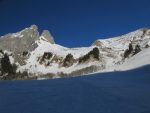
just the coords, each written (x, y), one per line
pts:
(32, 66)
(116, 92)
(111, 55)
(140, 59)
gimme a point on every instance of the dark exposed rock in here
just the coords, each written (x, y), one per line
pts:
(147, 46)
(8, 70)
(46, 56)
(68, 61)
(25, 53)
(1, 51)
(6, 66)
(131, 51)
(94, 54)
(137, 49)
(128, 51)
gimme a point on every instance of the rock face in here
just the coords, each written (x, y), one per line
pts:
(48, 36)
(68, 61)
(23, 40)
(30, 55)
(20, 42)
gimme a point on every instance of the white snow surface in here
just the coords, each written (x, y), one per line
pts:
(32, 66)
(138, 60)
(121, 42)
(19, 35)
(111, 54)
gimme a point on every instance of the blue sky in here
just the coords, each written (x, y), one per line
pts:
(75, 23)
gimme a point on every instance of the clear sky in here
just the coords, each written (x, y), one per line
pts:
(75, 23)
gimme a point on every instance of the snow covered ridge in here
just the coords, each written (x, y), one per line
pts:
(29, 55)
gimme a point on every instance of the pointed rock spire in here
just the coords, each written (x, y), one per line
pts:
(34, 27)
(48, 36)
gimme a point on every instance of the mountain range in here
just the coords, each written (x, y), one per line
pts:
(28, 54)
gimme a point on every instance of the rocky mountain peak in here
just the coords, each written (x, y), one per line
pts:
(20, 42)
(34, 27)
(46, 34)
(34, 55)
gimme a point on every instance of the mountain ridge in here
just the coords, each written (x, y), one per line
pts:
(37, 55)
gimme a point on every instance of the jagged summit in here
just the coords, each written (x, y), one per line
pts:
(35, 56)
(48, 36)
(30, 32)
(35, 27)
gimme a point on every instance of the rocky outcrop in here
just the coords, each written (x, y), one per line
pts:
(24, 41)
(68, 61)
(29, 55)
(19, 42)
(48, 36)
(132, 51)
(93, 54)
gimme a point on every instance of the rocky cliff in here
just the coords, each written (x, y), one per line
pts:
(30, 55)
